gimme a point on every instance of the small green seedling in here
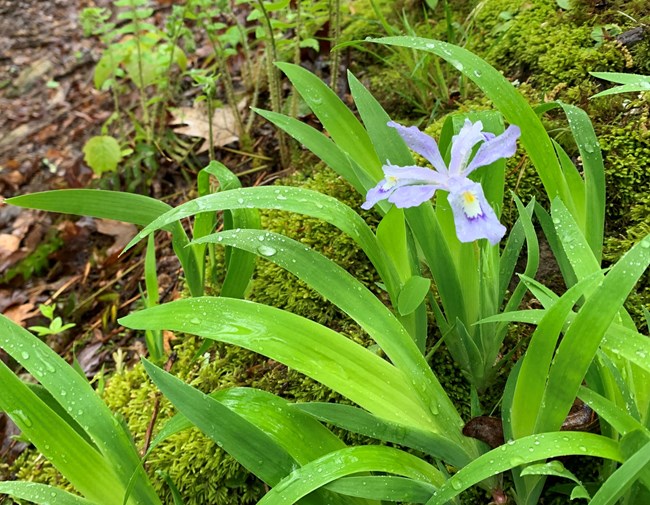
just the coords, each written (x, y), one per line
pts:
(56, 323)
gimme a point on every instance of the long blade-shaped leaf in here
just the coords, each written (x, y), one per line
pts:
(297, 342)
(254, 448)
(75, 458)
(299, 200)
(529, 390)
(581, 341)
(624, 476)
(73, 392)
(360, 304)
(344, 128)
(41, 494)
(302, 436)
(346, 462)
(126, 207)
(359, 421)
(526, 450)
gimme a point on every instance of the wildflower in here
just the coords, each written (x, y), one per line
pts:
(412, 185)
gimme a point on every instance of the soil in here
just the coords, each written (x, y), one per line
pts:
(50, 108)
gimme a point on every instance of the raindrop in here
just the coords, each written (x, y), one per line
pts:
(20, 415)
(456, 484)
(281, 197)
(240, 200)
(195, 320)
(24, 355)
(645, 244)
(266, 250)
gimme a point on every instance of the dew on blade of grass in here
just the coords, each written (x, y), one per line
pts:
(266, 250)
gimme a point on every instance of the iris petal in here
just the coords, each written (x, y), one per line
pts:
(470, 224)
(412, 196)
(463, 144)
(496, 148)
(422, 144)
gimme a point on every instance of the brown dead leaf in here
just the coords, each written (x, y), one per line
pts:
(8, 244)
(121, 232)
(20, 313)
(224, 127)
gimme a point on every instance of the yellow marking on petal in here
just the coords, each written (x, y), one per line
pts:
(471, 205)
(391, 181)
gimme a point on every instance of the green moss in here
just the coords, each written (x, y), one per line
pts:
(539, 43)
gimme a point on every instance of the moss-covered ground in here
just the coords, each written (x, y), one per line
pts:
(550, 52)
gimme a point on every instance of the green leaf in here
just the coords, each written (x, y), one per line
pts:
(320, 145)
(529, 390)
(344, 128)
(120, 206)
(303, 201)
(622, 479)
(346, 462)
(265, 453)
(75, 458)
(330, 358)
(343, 290)
(581, 340)
(413, 294)
(41, 494)
(359, 421)
(303, 437)
(102, 153)
(522, 451)
(253, 448)
(557, 469)
(395, 489)
(82, 403)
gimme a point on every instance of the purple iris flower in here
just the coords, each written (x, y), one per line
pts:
(412, 185)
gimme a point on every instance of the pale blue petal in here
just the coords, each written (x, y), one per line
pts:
(413, 175)
(503, 146)
(463, 144)
(376, 194)
(412, 196)
(484, 225)
(422, 144)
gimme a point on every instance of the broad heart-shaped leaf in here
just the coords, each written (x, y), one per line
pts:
(41, 494)
(102, 153)
(346, 462)
(255, 449)
(507, 100)
(526, 450)
(82, 403)
(127, 207)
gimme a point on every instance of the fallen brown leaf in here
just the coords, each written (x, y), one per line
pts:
(121, 232)
(224, 127)
(20, 313)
